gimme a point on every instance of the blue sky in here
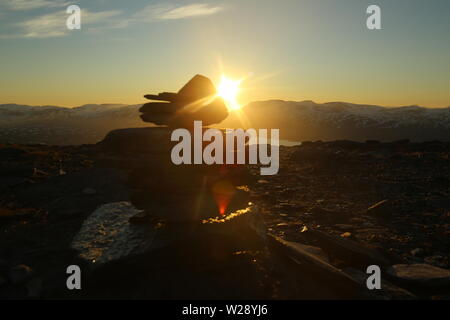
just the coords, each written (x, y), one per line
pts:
(286, 49)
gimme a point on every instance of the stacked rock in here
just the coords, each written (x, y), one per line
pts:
(197, 100)
(186, 192)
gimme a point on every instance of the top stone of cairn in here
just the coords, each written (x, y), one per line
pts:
(196, 101)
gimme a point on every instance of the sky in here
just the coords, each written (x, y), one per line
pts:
(318, 50)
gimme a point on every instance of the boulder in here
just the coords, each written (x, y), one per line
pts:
(421, 275)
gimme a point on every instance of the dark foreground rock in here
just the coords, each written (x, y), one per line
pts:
(149, 259)
(108, 236)
(207, 258)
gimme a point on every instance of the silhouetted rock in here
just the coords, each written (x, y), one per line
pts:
(138, 141)
(199, 87)
(197, 100)
(185, 192)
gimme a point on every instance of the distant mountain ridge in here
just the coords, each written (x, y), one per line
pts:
(298, 121)
(25, 112)
(307, 120)
(64, 126)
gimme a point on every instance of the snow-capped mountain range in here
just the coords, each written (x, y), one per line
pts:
(307, 120)
(24, 112)
(299, 121)
(360, 115)
(63, 126)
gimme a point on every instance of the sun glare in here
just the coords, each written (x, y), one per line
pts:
(228, 89)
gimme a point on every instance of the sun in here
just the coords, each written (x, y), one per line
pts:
(228, 90)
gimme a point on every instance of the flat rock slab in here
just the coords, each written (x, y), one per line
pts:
(313, 265)
(424, 275)
(107, 235)
(154, 140)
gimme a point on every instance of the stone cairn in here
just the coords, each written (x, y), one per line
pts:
(179, 214)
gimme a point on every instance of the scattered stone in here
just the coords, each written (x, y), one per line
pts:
(20, 274)
(40, 174)
(417, 252)
(381, 209)
(315, 251)
(283, 224)
(423, 275)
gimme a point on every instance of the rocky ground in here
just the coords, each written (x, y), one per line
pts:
(395, 196)
(349, 201)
